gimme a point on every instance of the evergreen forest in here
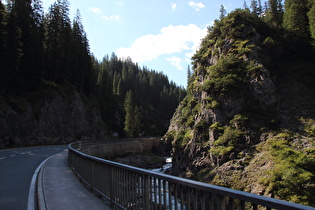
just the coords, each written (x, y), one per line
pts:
(44, 50)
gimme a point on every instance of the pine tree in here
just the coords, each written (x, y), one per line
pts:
(129, 107)
(245, 5)
(81, 64)
(259, 8)
(115, 84)
(119, 88)
(137, 121)
(13, 48)
(188, 75)
(58, 43)
(222, 11)
(52, 43)
(29, 15)
(296, 19)
(311, 17)
(3, 22)
(274, 13)
(254, 6)
(3, 43)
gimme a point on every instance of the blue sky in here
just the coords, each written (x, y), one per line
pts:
(159, 34)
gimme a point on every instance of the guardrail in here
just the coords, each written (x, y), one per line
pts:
(127, 187)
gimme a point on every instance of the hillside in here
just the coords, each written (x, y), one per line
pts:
(248, 120)
(53, 115)
(53, 90)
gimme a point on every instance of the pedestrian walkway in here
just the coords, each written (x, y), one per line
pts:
(59, 188)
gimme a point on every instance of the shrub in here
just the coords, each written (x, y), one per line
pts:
(293, 175)
(309, 126)
(228, 75)
(227, 142)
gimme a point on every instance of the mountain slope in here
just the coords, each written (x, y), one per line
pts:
(248, 119)
(53, 115)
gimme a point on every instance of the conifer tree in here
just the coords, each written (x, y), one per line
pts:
(13, 48)
(58, 42)
(295, 18)
(115, 84)
(81, 73)
(245, 5)
(52, 43)
(137, 121)
(129, 106)
(22, 43)
(3, 43)
(311, 17)
(274, 13)
(29, 20)
(188, 75)
(254, 6)
(119, 88)
(222, 11)
(259, 8)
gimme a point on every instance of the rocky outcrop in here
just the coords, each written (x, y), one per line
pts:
(48, 117)
(241, 116)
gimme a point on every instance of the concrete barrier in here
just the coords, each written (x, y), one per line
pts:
(111, 149)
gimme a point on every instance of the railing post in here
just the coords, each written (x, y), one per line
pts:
(92, 176)
(170, 200)
(146, 192)
(111, 187)
(164, 194)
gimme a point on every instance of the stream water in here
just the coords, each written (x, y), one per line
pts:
(168, 164)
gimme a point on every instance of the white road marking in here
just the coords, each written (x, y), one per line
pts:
(32, 191)
(1, 158)
(12, 155)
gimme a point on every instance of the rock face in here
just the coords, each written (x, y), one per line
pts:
(241, 116)
(48, 118)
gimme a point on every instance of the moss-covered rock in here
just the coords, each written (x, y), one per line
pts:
(247, 122)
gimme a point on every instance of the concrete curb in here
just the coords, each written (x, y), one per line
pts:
(33, 194)
(40, 190)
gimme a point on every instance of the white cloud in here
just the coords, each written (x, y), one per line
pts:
(96, 10)
(197, 6)
(189, 55)
(173, 5)
(120, 3)
(111, 17)
(175, 61)
(172, 39)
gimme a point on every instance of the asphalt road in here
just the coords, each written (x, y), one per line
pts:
(17, 167)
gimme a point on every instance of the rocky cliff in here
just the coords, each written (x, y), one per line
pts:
(248, 120)
(50, 116)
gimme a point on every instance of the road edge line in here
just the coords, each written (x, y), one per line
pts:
(31, 203)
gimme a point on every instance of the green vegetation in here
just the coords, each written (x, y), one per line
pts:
(132, 118)
(295, 19)
(226, 76)
(309, 126)
(230, 138)
(293, 175)
(311, 17)
(154, 96)
(42, 52)
(260, 130)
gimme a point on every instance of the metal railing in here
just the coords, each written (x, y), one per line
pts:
(127, 187)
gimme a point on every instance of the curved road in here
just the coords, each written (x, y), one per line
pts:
(17, 167)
